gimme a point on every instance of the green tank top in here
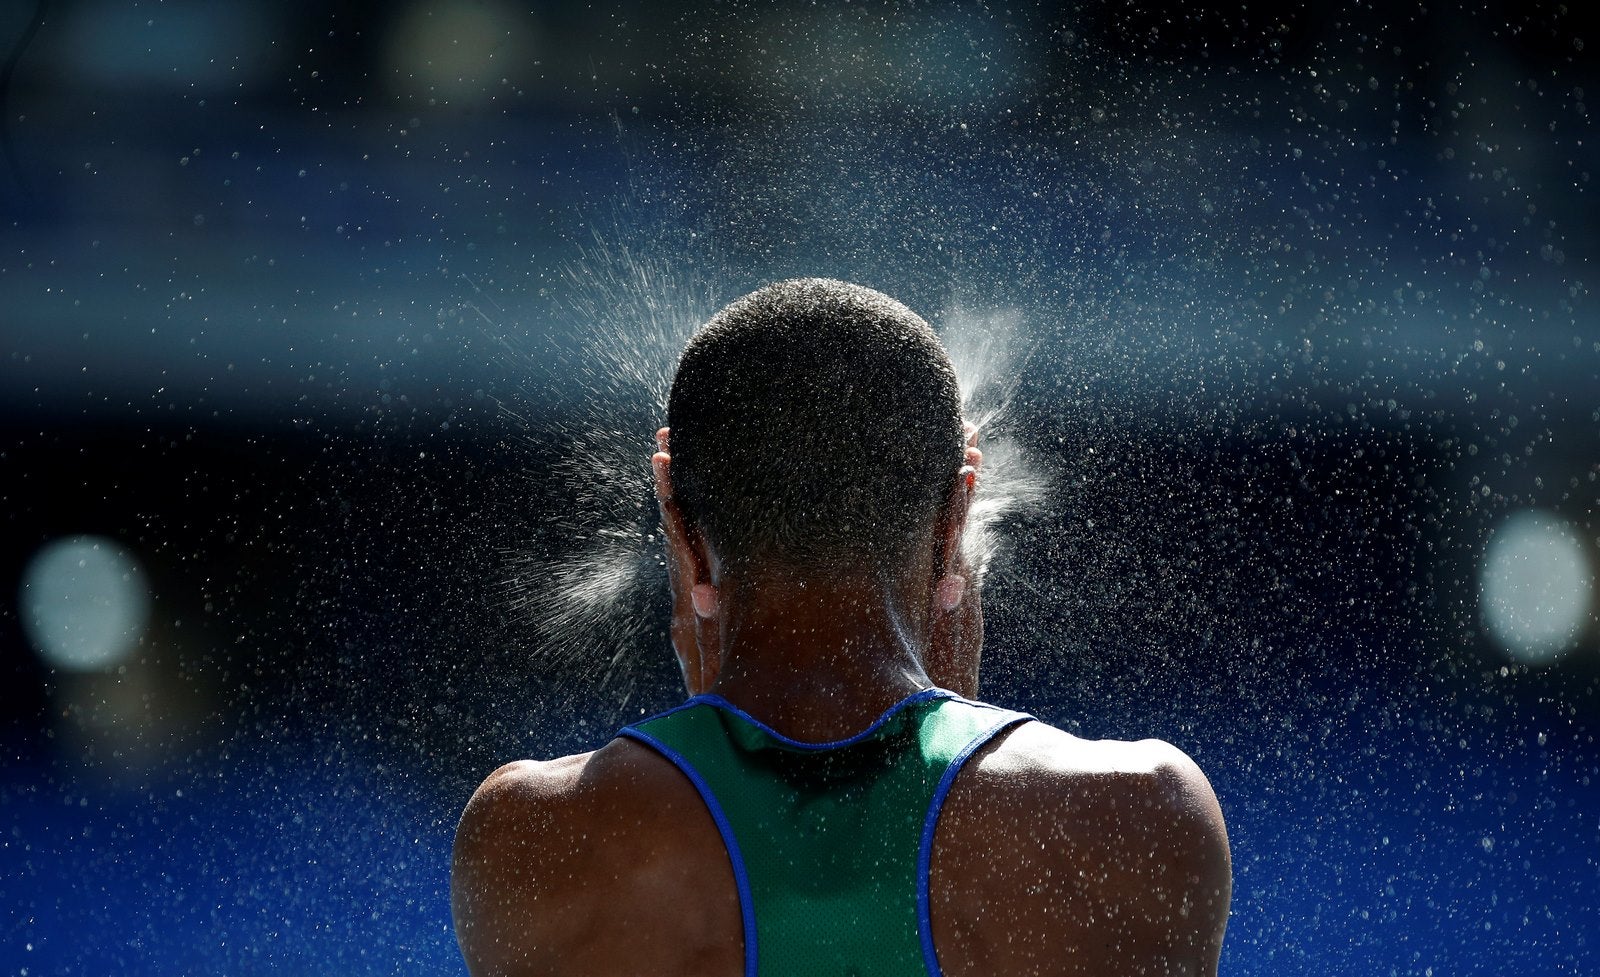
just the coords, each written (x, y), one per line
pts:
(830, 842)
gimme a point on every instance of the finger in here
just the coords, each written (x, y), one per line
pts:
(974, 458)
(663, 438)
(672, 527)
(971, 431)
(661, 475)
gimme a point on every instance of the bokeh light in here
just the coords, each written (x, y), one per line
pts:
(83, 602)
(458, 51)
(1537, 586)
(355, 321)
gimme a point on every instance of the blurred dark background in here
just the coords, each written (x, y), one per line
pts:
(329, 338)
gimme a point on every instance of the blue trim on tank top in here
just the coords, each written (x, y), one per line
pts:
(741, 880)
(718, 702)
(930, 958)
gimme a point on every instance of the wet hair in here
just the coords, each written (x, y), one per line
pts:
(815, 425)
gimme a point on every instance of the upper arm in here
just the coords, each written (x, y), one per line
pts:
(1107, 857)
(589, 864)
(1189, 906)
(506, 866)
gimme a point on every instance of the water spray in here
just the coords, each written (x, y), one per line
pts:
(591, 582)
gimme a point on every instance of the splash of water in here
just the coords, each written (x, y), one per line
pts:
(591, 583)
(990, 351)
(588, 581)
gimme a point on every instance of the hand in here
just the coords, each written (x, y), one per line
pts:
(696, 637)
(955, 634)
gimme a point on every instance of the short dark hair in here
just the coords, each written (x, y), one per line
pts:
(814, 424)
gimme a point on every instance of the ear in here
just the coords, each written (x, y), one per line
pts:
(955, 623)
(696, 624)
(700, 668)
(952, 522)
(696, 559)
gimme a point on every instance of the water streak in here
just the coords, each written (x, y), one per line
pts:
(990, 351)
(592, 584)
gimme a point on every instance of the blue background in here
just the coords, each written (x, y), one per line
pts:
(346, 321)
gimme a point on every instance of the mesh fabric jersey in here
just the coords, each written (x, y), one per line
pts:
(830, 842)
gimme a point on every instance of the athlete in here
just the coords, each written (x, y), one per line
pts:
(830, 800)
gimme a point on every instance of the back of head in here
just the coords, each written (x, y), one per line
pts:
(816, 425)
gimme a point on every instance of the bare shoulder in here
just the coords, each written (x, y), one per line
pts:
(522, 788)
(526, 792)
(1050, 764)
(505, 875)
(550, 856)
(1130, 833)
(539, 806)
(522, 806)
(1144, 799)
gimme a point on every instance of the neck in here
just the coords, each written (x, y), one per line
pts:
(818, 660)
